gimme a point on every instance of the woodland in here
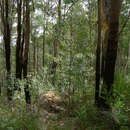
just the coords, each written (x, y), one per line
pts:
(64, 64)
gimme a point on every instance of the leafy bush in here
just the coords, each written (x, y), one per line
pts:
(12, 118)
(121, 99)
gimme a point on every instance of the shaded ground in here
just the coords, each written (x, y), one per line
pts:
(58, 115)
(54, 112)
(60, 111)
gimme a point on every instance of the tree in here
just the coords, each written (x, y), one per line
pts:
(19, 42)
(98, 72)
(5, 10)
(111, 10)
(26, 51)
(55, 42)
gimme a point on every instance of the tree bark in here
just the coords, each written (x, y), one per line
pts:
(7, 41)
(34, 54)
(55, 43)
(44, 40)
(111, 50)
(98, 51)
(18, 44)
(26, 51)
(37, 57)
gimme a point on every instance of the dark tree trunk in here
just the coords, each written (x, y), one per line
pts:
(7, 40)
(22, 40)
(98, 54)
(37, 61)
(18, 44)
(102, 63)
(111, 52)
(54, 64)
(55, 42)
(34, 54)
(26, 51)
(44, 40)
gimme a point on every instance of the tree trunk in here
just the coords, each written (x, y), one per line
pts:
(7, 41)
(18, 44)
(34, 54)
(102, 59)
(98, 54)
(37, 61)
(113, 8)
(55, 43)
(26, 51)
(44, 40)
(54, 64)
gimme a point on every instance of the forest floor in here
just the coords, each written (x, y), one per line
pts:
(58, 113)
(55, 110)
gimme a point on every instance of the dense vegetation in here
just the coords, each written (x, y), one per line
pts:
(64, 64)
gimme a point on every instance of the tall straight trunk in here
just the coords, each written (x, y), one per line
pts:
(23, 38)
(44, 40)
(55, 42)
(18, 44)
(102, 63)
(37, 57)
(59, 18)
(111, 50)
(29, 61)
(90, 20)
(98, 54)
(54, 64)
(34, 54)
(7, 40)
(26, 51)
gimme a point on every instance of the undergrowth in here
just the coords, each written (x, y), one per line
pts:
(80, 112)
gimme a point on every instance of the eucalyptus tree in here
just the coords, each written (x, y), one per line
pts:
(56, 41)
(19, 45)
(26, 50)
(98, 54)
(111, 15)
(6, 8)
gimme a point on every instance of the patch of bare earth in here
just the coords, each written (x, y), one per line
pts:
(52, 110)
